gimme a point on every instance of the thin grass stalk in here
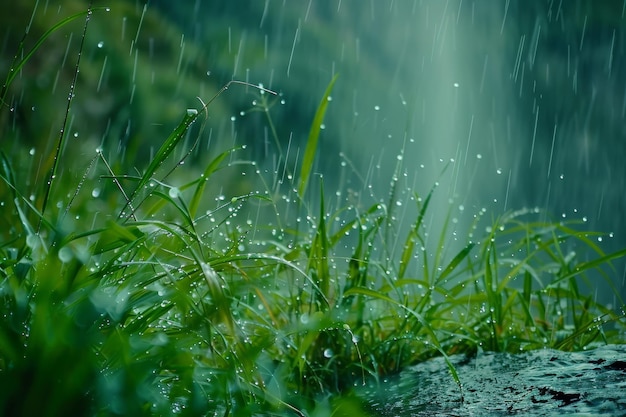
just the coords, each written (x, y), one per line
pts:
(62, 135)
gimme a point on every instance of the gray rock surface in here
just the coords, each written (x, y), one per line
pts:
(538, 383)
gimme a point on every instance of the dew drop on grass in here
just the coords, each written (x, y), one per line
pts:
(65, 254)
(174, 192)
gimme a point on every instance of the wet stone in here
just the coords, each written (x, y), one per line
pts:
(539, 383)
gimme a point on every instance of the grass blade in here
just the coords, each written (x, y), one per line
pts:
(164, 151)
(314, 134)
(210, 169)
(15, 69)
(455, 262)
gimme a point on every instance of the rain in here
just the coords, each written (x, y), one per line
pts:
(499, 107)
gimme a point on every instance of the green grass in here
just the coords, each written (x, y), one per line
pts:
(160, 297)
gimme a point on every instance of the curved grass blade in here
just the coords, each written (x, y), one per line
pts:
(455, 261)
(314, 135)
(164, 151)
(208, 171)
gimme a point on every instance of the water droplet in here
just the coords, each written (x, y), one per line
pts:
(100, 44)
(65, 254)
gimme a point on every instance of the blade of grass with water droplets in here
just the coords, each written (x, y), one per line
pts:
(455, 262)
(164, 151)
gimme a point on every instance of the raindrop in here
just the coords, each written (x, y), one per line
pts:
(100, 44)
(65, 254)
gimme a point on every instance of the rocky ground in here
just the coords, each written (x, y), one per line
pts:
(539, 383)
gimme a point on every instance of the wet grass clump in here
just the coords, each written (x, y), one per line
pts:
(152, 292)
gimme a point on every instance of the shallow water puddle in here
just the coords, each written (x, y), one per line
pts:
(539, 383)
